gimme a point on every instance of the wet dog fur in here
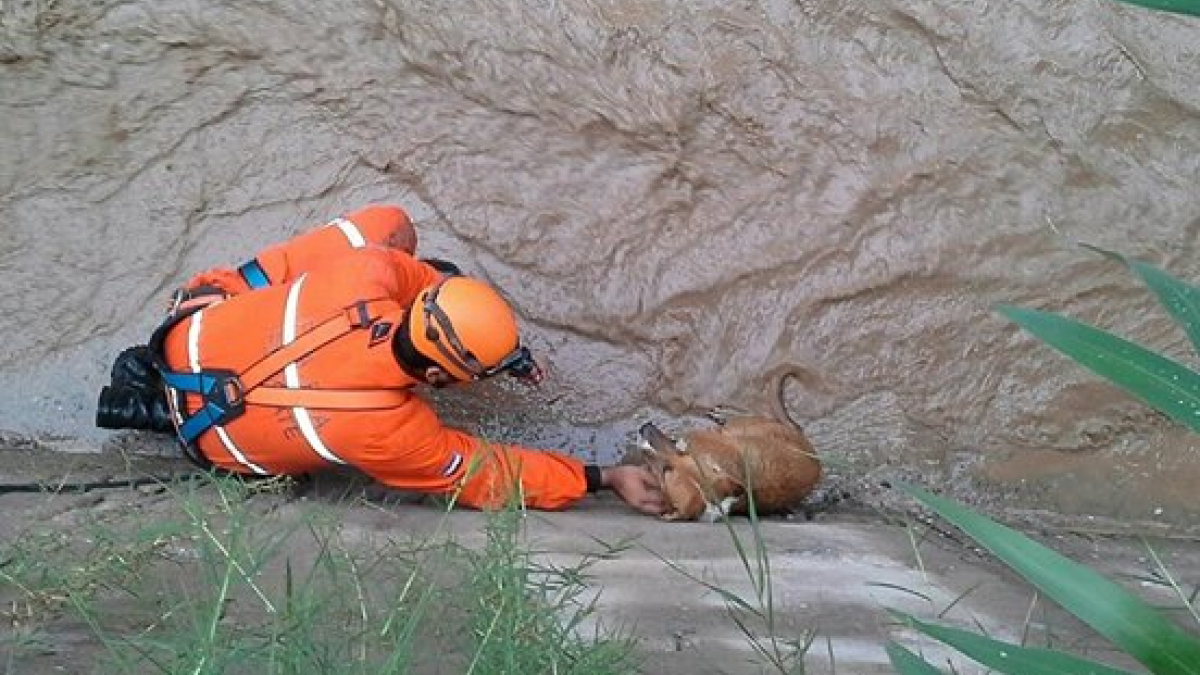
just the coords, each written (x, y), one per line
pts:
(706, 473)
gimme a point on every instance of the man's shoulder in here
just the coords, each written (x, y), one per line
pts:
(365, 261)
(374, 270)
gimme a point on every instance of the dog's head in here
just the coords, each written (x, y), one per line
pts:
(694, 487)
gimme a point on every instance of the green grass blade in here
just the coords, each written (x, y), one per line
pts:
(1006, 657)
(1165, 385)
(1179, 298)
(902, 589)
(1111, 610)
(908, 663)
(1178, 6)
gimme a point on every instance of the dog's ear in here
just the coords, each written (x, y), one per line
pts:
(657, 440)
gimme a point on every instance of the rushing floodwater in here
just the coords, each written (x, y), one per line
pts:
(676, 195)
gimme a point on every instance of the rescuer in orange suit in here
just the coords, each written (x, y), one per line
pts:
(307, 357)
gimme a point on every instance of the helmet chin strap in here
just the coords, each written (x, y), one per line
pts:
(415, 363)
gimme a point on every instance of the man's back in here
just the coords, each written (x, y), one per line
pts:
(234, 334)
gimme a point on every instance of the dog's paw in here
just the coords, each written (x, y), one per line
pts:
(721, 414)
(714, 512)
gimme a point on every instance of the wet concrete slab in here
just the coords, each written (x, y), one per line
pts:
(832, 582)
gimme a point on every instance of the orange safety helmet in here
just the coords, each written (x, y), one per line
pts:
(468, 328)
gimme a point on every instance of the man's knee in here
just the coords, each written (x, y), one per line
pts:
(403, 238)
(389, 225)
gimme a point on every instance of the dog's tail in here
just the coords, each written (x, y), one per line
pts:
(777, 382)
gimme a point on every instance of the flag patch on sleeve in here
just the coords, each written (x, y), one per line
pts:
(453, 466)
(379, 332)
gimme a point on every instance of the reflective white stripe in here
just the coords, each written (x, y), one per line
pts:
(194, 341)
(236, 452)
(291, 376)
(353, 234)
(194, 363)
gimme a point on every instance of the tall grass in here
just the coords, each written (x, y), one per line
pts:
(1162, 383)
(1132, 625)
(526, 616)
(241, 584)
(1178, 6)
(1129, 623)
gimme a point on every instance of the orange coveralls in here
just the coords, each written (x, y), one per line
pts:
(315, 276)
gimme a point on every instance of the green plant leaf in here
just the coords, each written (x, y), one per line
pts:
(1126, 620)
(1179, 298)
(1178, 6)
(908, 663)
(1165, 385)
(1006, 657)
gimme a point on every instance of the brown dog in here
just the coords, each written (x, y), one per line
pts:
(707, 473)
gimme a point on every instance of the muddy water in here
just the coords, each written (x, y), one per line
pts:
(676, 196)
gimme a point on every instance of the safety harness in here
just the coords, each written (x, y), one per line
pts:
(225, 393)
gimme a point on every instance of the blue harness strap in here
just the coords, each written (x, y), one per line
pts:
(184, 304)
(254, 275)
(220, 391)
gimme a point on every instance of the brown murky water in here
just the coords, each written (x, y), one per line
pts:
(677, 196)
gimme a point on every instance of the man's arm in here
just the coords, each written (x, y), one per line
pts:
(425, 456)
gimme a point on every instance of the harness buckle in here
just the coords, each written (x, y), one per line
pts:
(233, 392)
(227, 393)
(359, 314)
(176, 300)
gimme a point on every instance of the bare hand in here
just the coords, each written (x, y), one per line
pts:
(636, 486)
